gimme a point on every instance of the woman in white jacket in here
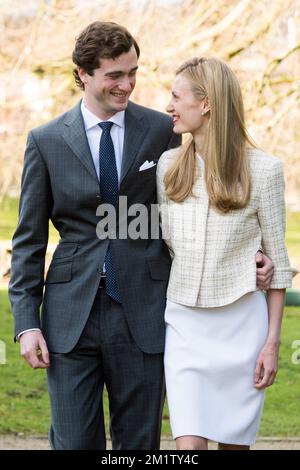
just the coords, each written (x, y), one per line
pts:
(221, 199)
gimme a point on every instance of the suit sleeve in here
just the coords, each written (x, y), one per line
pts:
(175, 141)
(271, 215)
(30, 241)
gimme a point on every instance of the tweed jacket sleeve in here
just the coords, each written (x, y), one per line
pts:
(162, 198)
(271, 216)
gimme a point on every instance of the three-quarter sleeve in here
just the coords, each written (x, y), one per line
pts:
(271, 215)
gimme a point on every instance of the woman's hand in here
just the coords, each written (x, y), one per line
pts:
(266, 366)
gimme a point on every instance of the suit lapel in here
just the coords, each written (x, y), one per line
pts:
(135, 132)
(75, 136)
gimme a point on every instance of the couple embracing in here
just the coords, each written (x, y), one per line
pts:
(131, 313)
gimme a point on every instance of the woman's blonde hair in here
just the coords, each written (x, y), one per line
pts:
(227, 174)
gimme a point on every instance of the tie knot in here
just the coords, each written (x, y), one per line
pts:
(106, 125)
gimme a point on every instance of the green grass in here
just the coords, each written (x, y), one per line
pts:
(293, 234)
(9, 219)
(282, 406)
(24, 403)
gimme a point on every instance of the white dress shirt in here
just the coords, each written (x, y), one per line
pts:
(93, 133)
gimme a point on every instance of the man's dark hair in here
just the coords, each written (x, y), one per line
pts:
(100, 40)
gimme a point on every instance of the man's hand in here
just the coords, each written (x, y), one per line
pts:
(264, 271)
(33, 349)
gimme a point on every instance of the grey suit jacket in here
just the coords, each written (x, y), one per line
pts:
(59, 182)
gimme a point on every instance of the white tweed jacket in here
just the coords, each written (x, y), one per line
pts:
(214, 254)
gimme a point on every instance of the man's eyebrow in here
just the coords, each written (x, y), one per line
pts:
(174, 94)
(120, 72)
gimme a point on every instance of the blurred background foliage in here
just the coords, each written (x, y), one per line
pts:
(260, 39)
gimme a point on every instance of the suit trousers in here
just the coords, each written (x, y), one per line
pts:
(106, 355)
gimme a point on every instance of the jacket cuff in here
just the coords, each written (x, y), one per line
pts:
(283, 277)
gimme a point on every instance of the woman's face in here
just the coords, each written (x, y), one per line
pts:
(186, 110)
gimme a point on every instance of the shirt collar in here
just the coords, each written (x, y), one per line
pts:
(90, 119)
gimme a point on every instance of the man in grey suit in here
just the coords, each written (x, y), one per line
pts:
(104, 298)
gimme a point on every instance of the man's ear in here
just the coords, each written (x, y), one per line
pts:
(82, 75)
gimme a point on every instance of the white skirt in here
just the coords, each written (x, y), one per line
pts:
(210, 357)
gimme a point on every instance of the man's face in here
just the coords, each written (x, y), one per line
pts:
(112, 83)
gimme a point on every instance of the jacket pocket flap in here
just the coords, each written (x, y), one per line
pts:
(159, 270)
(59, 273)
(64, 250)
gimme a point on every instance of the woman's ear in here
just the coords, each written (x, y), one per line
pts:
(205, 106)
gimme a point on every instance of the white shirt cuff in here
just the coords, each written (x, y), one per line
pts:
(25, 331)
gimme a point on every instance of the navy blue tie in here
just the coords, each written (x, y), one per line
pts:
(109, 195)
